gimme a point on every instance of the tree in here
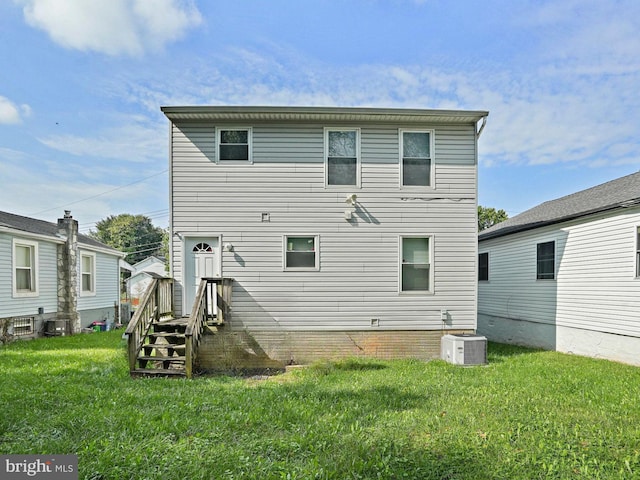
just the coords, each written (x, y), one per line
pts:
(134, 235)
(489, 216)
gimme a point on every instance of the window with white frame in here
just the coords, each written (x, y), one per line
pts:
(342, 156)
(546, 260)
(301, 253)
(415, 274)
(87, 273)
(25, 268)
(483, 267)
(416, 147)
(234, 145)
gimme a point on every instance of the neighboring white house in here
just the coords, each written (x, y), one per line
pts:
(50, 272)
(346, 230)
(141, 275)
(565, 275)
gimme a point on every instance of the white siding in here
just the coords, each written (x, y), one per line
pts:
(596, 288)
(47, 282)
(107, 288)
(358, 275)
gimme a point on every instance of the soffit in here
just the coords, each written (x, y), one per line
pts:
(322, 114)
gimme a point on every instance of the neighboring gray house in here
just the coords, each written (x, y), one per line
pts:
(141, 275)
(565, 275)
(50, 273)
(346, 231)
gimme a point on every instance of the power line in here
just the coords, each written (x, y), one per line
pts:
(84, 227)
(100, 194)
(150, 214)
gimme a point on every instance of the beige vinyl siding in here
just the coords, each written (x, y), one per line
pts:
(595, 286)
(47, 281)
(359, 260)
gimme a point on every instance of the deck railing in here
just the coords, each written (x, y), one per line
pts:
(156, 304)
(211, 305)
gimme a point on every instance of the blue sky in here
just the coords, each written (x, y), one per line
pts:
(82, 83)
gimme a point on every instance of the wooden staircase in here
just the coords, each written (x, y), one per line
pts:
(160, 344)
(163, 352)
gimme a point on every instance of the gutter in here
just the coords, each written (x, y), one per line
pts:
(544, 223)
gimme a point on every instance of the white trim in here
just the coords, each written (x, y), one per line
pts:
(105, 250)
(555, 260)
(430, 290)
(185, 238)
(92, 256)
(358, 157)
(35, 271)
(316, 247)
(249, 145)
(34, 236)
(432, 162)
(636, 252)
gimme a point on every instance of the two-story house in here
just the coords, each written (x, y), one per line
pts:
(346, 231)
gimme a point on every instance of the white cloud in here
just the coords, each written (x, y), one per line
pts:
(113, 27)
(136, 141)
(90, 193)
(10, 113)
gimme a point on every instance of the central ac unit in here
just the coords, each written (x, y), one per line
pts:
(464, 349)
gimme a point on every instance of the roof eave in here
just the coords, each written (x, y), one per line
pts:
(531, 226)
(270, 113)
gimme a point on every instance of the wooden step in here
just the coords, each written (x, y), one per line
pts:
(158, 372)
(174, 346)
(177, 323)
(162, 358)
(166, 334)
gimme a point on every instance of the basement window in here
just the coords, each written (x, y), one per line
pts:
(23, 326)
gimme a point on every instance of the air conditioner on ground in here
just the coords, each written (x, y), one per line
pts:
(464, 349)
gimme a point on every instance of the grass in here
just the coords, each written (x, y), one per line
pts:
(528, 414)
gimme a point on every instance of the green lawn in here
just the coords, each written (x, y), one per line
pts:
(528, 414)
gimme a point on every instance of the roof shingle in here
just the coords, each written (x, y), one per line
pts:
(41, 227)
(622, 192)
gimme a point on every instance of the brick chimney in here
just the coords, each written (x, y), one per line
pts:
(68, 272)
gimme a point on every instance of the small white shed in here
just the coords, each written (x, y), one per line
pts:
(142, 275)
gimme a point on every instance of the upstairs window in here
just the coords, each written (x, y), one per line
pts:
(483, 267)
(234, 145)
(342, 149)
(25, 268)
(301, 253)
(546, 261)
(416, 158)
(416, 264)
(87, 274)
